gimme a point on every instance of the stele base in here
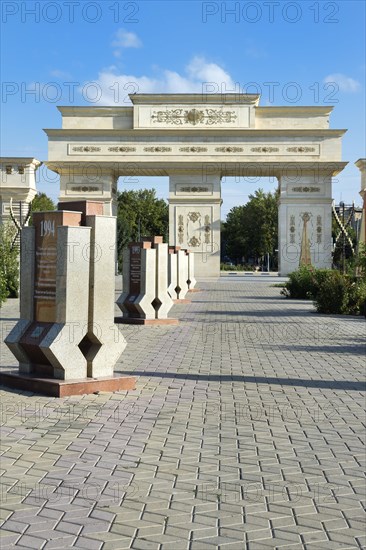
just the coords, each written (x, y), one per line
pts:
(136, 321)
(64, 388)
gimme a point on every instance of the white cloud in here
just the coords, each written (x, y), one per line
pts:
(345, 83)
(125, 39)
(60, 74)
(196, 74)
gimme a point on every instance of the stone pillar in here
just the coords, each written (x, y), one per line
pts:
(105, 343)
(361, 164)
(88, 181)
(194, 219)
(173, 272)
(66, 341)
(163, 300)
(191, 278)
(18, 182)
(54, 302)
(182, 274)
(304, 221)
(139, 282)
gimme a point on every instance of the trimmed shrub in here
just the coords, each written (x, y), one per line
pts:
(331, 291)
(332, 295)
(302, 284)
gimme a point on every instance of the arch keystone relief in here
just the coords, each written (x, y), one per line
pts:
(197, 140)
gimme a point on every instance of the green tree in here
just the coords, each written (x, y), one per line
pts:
(41, 203)
(140, 214)
(9, 263)
(251, 230)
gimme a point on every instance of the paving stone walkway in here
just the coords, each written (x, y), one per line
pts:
(246, 432)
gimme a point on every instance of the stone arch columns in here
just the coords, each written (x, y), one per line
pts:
(197, 140)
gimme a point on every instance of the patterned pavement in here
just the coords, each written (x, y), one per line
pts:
(246, 431)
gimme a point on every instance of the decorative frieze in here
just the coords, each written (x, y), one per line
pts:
(179, 117)
(264, 149)
(178, 148)
(122, 149)
(86, 149)
(193, 189)
(300, 149)
(306, 189)
(157, 149)
(229, 149)
(193, 149)
(84, 189)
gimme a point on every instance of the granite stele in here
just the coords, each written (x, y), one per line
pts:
(66, 341)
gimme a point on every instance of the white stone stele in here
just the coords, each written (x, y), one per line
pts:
(60, 344)
(147, 295)
(173, 272)
(85, 293)
(108, 341)
(161, 294)
(126, 283)
(143, 302)
(191, 278)
(182, 274)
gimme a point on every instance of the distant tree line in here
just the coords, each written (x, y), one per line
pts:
(251, 230)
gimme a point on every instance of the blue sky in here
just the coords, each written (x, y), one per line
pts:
(58, 48)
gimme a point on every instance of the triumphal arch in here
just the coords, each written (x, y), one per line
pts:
(198, 140)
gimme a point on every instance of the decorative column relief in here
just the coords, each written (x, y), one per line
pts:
(194, 219)
(194, 228)
(305, 223)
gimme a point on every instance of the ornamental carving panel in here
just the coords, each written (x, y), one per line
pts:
(229, 149)
(157, 149)
(194, 242)
(207, 230)
(265, 149)
(306, 229)
(306, 189)
(300, 149)
(180, 229)
(292, 229)
(319, 229)
(194, 216)
(83, 189)
(86, 149)
(194, 189)
(121, 149)
(193, 149)
(180, 117)
(194, 228)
